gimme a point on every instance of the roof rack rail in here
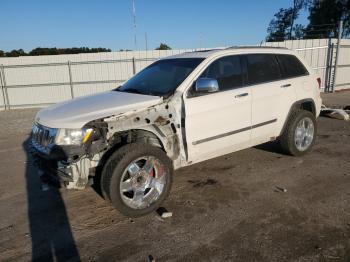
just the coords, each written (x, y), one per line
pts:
(255, 46)
(204, 50)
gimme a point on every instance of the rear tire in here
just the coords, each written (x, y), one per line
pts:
(137, 178)
(299, 134)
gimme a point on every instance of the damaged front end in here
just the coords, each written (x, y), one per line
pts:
(158, 125)
(70, 164)
(75, 164)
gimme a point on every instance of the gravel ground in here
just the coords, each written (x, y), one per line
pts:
(230, 208)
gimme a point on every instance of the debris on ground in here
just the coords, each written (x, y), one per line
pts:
(318, 247)
(164, 213)
(190, 202)
(337, 113)
(281, 189)
(199, 183)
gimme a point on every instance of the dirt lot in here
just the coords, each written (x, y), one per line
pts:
(227, 208)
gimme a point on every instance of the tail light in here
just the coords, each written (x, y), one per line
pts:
(319, 82)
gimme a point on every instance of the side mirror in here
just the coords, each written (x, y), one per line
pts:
(206, 85)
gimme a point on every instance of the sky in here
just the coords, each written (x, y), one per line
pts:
(28, 24)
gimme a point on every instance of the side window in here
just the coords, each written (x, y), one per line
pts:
(262, 68)
(291, 66)
(227, 71)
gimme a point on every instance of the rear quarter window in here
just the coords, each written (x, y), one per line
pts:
(291, 66)
(262, 68)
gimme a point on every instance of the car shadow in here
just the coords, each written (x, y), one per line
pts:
(273, 147)
(50, 230)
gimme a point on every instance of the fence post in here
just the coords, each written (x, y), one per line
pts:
(4, 88)
(328, 66)
(330, 76)
(2, 91)
(133, 66)
(70, 80)
(340, 31)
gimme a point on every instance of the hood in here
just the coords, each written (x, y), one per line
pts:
(79, 111)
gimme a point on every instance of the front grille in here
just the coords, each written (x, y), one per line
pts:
(43, 137)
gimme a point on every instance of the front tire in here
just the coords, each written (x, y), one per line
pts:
(299, 134)
(137, 178)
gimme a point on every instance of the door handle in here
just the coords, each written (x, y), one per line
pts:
(284, 86)
(241, 95)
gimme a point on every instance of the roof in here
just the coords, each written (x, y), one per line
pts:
(233, 49)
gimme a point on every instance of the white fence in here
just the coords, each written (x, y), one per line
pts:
(41, 80)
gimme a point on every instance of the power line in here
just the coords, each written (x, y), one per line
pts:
(324, 25)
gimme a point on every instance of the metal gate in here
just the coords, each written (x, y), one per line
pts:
(323, 56)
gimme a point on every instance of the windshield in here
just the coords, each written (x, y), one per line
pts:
(162, 77)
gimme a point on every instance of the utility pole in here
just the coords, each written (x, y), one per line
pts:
(146, 41)
(134, 18)
(340, 31)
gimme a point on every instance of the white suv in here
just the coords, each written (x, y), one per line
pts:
(178, 111)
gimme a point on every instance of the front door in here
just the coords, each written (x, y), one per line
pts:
(219, 123)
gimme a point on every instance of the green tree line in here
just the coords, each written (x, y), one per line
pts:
(53, 51)
(323, 19)
(65, 51)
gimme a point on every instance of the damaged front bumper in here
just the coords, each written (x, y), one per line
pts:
(49, 166)
(63, 165)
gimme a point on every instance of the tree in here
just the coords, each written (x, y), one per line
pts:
(43, 51)
(53, 51)
(163, 46)
(65, 51)
(298, 31)
(15, 53)
(324, 17)
(297, 6)
(279, 25)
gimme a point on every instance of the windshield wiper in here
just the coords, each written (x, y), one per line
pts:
(136, 91)
(131, 90)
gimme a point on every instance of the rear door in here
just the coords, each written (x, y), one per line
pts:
(294, 72)
(219, 123)
(272, 96)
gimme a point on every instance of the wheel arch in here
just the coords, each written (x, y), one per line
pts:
(140, 135)
(307, 104)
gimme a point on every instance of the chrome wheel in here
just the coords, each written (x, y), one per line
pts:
(304, 134)
(143, 182)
